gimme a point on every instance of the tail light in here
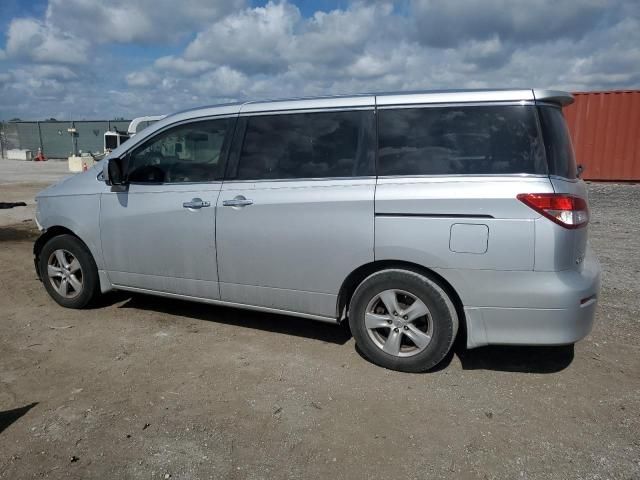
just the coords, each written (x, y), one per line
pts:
(566, 210)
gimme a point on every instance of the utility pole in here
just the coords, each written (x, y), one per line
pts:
(40, 137)
(2, 139)
(74, 138)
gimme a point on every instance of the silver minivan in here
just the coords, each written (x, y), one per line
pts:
(413, 216)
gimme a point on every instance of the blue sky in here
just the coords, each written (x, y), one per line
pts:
(96, 59)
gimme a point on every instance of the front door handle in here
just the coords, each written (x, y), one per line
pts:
(196, 203)
(238, 201)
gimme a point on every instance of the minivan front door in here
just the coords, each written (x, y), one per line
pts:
(159, 234)
(296, 215)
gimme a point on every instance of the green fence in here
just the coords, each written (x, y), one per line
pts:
(53, 137)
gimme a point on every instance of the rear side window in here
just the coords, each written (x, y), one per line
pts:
(557, 143)
(473, 140)
(307, 145)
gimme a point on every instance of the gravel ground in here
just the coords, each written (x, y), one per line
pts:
(143, 387)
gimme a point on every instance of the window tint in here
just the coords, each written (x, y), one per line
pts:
(187, 153)
(459, 140)
(307, 145)
(557, 143)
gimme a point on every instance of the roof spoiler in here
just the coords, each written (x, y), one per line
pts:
(554, 96)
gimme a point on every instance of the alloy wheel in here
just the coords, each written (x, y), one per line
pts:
(65, 273)
(399, 323)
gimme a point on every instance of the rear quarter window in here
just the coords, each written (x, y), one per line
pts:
(557, 142)
(466, 140)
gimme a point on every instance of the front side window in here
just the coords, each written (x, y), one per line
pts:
(466, 140)
(307, 145)
(187, 153)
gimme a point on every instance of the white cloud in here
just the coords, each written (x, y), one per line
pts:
(369, 47)
(222, 82)
(341, 35)
(56, 72)
(37, 84)
(143, 78)
(443, 24)
(183, 66)
(254, 39)
(125, 21)
(231, 51)
(42, 42)
(276, 37)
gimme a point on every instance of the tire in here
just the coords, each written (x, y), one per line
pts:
(419, 336)
(61, 273)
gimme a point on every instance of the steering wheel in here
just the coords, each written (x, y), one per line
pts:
(147, 174)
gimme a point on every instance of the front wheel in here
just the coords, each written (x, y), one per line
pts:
(402, 320)
(68, 271)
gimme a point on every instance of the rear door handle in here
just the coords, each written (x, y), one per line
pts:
(238, 201)
(196, 203)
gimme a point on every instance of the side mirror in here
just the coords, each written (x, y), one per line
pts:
(579, 171)
(114, 172)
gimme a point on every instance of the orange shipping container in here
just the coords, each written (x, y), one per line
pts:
(605, 129)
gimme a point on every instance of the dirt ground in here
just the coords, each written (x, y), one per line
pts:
(143, 387)
(28, 178)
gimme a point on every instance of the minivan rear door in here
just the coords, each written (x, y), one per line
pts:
(295, 214)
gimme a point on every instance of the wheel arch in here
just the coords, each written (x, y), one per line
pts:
(47, 235)
(356, 277)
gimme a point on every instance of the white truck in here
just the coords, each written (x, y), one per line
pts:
(112, 140)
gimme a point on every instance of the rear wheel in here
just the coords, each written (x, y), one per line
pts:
(402, 320)
(68, 271)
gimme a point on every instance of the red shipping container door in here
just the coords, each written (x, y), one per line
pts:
(605, 130)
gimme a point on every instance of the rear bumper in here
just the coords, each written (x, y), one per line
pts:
(528, 326)
(533, 308)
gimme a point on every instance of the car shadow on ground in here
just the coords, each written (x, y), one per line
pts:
(18, 233)
(516, 358)
(522, 359)
(512, 359)
(282, 324)
(7, 417)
